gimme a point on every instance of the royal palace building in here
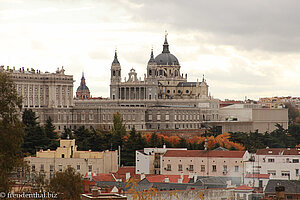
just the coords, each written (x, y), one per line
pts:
(164, 99)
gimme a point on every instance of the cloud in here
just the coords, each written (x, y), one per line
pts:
(270, 25)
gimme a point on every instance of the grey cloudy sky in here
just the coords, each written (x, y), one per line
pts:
(244, 48)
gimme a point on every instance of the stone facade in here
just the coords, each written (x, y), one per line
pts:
(164, 99)
(43, 90)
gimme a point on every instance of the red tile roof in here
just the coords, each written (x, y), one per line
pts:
(104, 177)
(161, 178)
(243, 187)
(203, 153)
(278, 151)
(124, 170)
(267, 176)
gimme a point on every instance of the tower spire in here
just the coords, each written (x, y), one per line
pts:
(151, 57)
(166, 45)
(116, 61)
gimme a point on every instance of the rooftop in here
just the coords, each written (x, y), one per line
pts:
(278, 151)
(203, 153)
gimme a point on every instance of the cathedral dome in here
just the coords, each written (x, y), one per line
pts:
(166, 58)
(82, 87)
(82, 91)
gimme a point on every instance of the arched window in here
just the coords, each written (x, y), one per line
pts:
(160, 72)
(150, 72)
(114, 72)
(176, 72)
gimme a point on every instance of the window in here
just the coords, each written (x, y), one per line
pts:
(168, 167)
(90, 168)
(295, 160)
(150, 117)
(214, 168)
(272, 172)
(285, 173)
(33, 168)
(271, 160)
(158, 117)
(236, 168)
(191, 167)
(42, 167)
(180, 167)
(82, 117)
(91, 116)
(225, 168)
(62, 155)
(175, 117)
(60, 168)
(51, 168)
(202, 168)
(167, 117)
(297, 172)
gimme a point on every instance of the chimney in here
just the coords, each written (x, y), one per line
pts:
(191, 175)
(95, 192)
(195, 177)
(164, 146)
(167, 180)
(180, 180)
(127, 176)
(280, 191)
(205, 144)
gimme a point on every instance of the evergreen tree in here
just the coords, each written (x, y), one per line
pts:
(118, 131)
(51, 134)
(29, 118)
(11, 131)
(182, 143)
(67, 134)
(35, 136)
(135, 142)
(82, 136)
(154, 141)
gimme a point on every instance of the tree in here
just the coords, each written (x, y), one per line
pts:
(11, 131)
(82, 136)
(293, 113)
(134, 142)
(68, 184)
(154, 140)
(118, 131)
(29, 118)
(35, 137)
(51, 134)
(67, 134)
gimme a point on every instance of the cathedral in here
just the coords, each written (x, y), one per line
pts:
(164, 99)
(163, 80)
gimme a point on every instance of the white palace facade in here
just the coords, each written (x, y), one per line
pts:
(165, 99)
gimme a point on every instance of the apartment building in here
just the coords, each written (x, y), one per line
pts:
(204, 162)
(280, 163)
(148, 160)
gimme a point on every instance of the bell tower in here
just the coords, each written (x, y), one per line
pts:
(151, 67)
(115, 77)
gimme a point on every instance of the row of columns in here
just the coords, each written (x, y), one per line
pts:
(132, 93)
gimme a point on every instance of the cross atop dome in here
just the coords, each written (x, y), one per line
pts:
(166, 45)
